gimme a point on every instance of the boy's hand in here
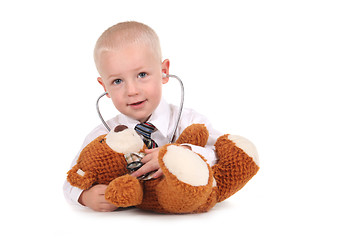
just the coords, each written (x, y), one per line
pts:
(94, 198)
(150, 164)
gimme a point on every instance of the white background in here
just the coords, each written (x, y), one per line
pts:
(265, 70)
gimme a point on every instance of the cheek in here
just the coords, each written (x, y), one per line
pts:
(158, 94)
(155, 89)
(116, 98)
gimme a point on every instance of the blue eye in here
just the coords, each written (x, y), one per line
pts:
(117, 81)
(142, 75)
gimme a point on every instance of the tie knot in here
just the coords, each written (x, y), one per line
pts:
(145, 129)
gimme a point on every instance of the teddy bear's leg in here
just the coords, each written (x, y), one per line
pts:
(150, 200)
(211, 201)
(237, 164)
(124, 191)
(188, 180)
(81, 179)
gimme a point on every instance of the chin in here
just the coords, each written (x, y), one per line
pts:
(141, 115)
(139, 118)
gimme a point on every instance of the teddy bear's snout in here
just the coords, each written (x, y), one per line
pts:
(125, 141)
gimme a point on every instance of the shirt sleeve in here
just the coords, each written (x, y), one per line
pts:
(190, 117)
(70, 192)
(208, 153)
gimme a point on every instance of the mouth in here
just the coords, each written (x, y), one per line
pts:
(136, 104)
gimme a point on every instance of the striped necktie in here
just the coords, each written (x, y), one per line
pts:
(145, 130)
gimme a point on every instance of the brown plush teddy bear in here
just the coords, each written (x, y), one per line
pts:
(188, 185)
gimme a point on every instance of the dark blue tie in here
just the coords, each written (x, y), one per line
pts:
(145, 130)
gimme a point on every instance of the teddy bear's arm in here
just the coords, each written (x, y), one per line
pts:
(195, 134)
(78, 178)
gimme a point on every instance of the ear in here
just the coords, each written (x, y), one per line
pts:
(100, 80)
(165, 66)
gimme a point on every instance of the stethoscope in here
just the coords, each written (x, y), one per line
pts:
(179, 113)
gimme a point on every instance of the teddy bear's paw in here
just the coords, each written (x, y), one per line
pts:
(188, 180)
(228, 146)
(78, 178)
(237, 164)
(124, 191)
(246, 146)
(186, 166)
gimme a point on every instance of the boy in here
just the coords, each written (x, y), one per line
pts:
(128, 60)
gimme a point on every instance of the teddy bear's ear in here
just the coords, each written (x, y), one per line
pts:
(120, 128)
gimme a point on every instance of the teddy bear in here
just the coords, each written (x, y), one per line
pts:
(188, 184)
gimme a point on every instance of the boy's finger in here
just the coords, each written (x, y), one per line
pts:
(145, 169)
(101, 189)
(158, 174)
(107, 207)
(147, 151)
(147, 158)
(140, 172)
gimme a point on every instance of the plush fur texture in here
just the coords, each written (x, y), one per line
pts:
(171, 193)
(234, 168)
(99, 163)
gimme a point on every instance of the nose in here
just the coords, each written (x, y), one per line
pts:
(132, 88)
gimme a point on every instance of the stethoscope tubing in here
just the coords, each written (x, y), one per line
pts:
(182, 94)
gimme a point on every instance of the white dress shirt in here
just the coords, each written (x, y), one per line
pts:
(164, 119)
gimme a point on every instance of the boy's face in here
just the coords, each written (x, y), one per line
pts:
(132, 76)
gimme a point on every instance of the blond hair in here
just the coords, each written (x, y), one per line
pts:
(123, 34)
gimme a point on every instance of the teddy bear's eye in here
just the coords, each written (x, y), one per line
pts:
(102, 140)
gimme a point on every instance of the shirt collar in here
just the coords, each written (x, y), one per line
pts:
(160, 118)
